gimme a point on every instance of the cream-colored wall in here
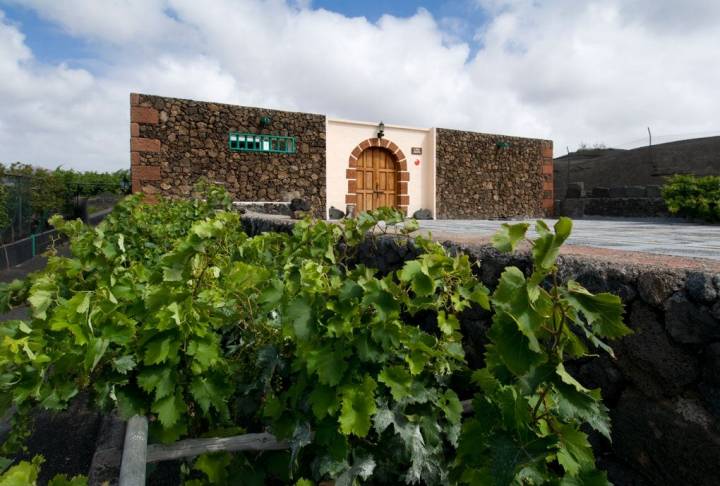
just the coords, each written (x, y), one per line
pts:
(343, 136)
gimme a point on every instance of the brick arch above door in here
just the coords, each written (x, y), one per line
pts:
(403, 199)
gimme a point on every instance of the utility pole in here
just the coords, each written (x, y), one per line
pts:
(567, 172)
(652, 162)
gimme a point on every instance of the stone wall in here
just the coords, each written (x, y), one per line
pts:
(617, 201)
(617, 207)
(492, 176)
(641, 166)
(663, 388)
(176, 142)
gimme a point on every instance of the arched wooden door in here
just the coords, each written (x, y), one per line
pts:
(377, 179)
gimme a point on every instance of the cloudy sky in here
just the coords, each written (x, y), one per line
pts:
(569, 70)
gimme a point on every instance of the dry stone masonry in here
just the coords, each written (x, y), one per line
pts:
(175, 143)
(489, 176)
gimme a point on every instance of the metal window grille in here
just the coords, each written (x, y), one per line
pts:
(252, 142)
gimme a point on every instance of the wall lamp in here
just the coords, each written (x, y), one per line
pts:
(381, 130)
(265, 121)
(502, 145)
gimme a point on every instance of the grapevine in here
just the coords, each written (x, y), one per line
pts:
(172, 311)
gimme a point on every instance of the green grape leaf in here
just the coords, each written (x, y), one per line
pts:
(273, 293)
(158, 379)
(585, 406)
(514, 409)
(398, 379)
(384, 418)
(173, 274)
(587, 478)
(328, 364)
(40, 301)
(124, 364)
(568, 379)
(574, 451)
(506, 458)
(324, 401)
(209, 392)
(95, 351)
(206, 353)
(512, 346)
(299, 313)
(362, 468)
(358, 407)
(422, 285)
(22, 474)
(409, 270)
(448, 324)
(159, 348)
(302, 436)
(382, 301)
(169, 409)
(602, 311)
(563, 228)
(508, 236)
(64, 480)
(215, 466)
(417, 360)
(511, 297)
(450, 404)
(546, 248)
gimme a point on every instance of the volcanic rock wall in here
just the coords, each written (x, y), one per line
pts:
(176, 142)
(663, 387)
(492, 176)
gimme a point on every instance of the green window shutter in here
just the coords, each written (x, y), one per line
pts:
(252, 142)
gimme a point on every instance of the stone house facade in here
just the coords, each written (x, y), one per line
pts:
(263, 155)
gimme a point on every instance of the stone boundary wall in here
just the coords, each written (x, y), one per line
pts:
(618, 207)
(175, 142)
(642, 166)
(619, 201)
(482, 176)
(663, 388)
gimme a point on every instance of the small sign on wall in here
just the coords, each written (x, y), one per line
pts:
(416, 150)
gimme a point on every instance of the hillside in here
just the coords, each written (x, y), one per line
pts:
(641, 166)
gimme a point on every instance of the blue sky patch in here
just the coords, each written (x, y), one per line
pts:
(48, 42)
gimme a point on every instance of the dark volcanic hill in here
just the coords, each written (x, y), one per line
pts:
(641, 166)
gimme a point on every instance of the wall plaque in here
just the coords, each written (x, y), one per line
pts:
(416, 150)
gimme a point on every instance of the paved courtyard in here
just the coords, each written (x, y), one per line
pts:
(657, 236)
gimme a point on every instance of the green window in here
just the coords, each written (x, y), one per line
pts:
(252, 142)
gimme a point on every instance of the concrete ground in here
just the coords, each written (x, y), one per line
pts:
(656, 236)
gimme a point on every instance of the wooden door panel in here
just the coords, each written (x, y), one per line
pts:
(391, 181)
(376, 184)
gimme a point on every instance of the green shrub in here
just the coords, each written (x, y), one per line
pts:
(26, 473)
(173, 312)
(693, 197)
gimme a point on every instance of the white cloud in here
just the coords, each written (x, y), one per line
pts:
(126, 22)
(571, 71)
